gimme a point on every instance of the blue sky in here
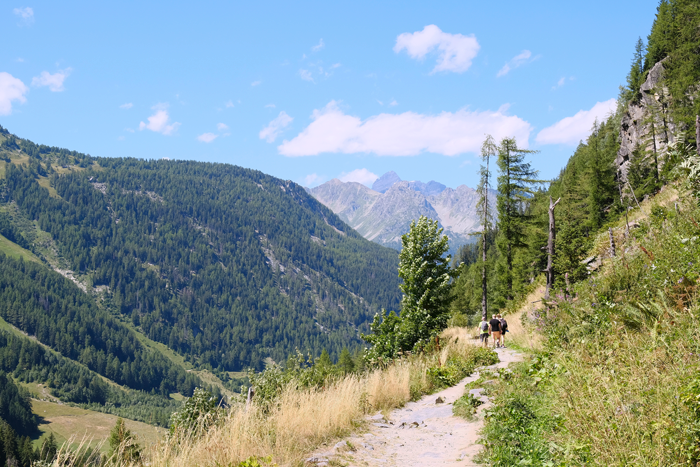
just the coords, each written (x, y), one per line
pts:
(309, 91)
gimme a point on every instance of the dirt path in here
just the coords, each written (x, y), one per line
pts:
(423, 433)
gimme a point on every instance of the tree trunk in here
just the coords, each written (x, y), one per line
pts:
(613, 253)
(484, 304)
(550, 248)
(697, 133)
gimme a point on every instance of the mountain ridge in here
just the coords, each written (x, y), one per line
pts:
(384, 212)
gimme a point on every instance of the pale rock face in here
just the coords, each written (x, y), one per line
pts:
(384, 217)
(647, 124)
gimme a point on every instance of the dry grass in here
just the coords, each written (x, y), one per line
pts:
(306, 419)
(519, 332)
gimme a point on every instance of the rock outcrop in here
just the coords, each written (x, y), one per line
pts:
(646, 125)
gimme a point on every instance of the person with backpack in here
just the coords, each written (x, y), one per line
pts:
(504, 329)
(495, 326)
(484, 332)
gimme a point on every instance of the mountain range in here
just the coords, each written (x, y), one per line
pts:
(384, 212)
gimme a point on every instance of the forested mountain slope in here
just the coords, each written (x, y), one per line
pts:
(225, 265)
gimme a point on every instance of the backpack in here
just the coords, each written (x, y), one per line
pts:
(504, 325)
(484, 326)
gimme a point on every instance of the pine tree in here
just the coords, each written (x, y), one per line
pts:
(515, 188)
(345, 361)
(635, 78)
(123, 448)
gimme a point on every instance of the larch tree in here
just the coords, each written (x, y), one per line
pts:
(488, 150)
(515, 188)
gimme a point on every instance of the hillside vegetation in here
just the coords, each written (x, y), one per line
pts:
(225, 265)
(124, 284)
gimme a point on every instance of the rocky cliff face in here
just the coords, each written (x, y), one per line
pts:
(384, 217)
(646, 126)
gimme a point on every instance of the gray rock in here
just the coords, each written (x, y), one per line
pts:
(636, 123)
(341, 444)
(440, 400)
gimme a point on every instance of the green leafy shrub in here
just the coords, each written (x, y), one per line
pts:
(466, 406)
(198, 413)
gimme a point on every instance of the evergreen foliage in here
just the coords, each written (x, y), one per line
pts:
(515, 181)
(196, 257)
(15, 407)
(123, 448)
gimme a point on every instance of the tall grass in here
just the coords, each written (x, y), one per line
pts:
(302, 420)
(617, 381)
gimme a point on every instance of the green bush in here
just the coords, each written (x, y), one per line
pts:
(198, 413)
(466, 406)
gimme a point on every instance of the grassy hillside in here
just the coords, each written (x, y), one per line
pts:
(223, 265)
(618, 365)
(73, 425)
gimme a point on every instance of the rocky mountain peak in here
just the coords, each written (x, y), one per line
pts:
(385, 182)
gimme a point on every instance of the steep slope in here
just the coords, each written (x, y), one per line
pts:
(224, 265)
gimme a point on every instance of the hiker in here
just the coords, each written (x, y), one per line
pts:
(495, 326)
(504, 329)
(484, 332)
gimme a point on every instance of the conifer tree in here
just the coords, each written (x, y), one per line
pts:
(122, 445)
(345, 361)
(515, 188)
(488, 150)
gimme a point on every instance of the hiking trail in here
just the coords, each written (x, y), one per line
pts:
(422, 433)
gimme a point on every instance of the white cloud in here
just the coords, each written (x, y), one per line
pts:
(229, 104)
(160, 121)
(306, 75)
(256, 83)
(26, 14)
(126, 106)
(318, 46)
(521, 59)
(275, 127)
(207, 137)
(561, 82)
(221, 126)
(393, 103)
(571, 130)
(363, 176)
(455, 51)
(405, 134)
(11, 89)
(53, 81)
(313, 179)
(130, 130)
(270, 106)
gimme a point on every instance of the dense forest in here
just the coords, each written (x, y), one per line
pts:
(196, 257)
(593, 191)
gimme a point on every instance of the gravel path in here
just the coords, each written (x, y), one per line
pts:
(422, 433)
